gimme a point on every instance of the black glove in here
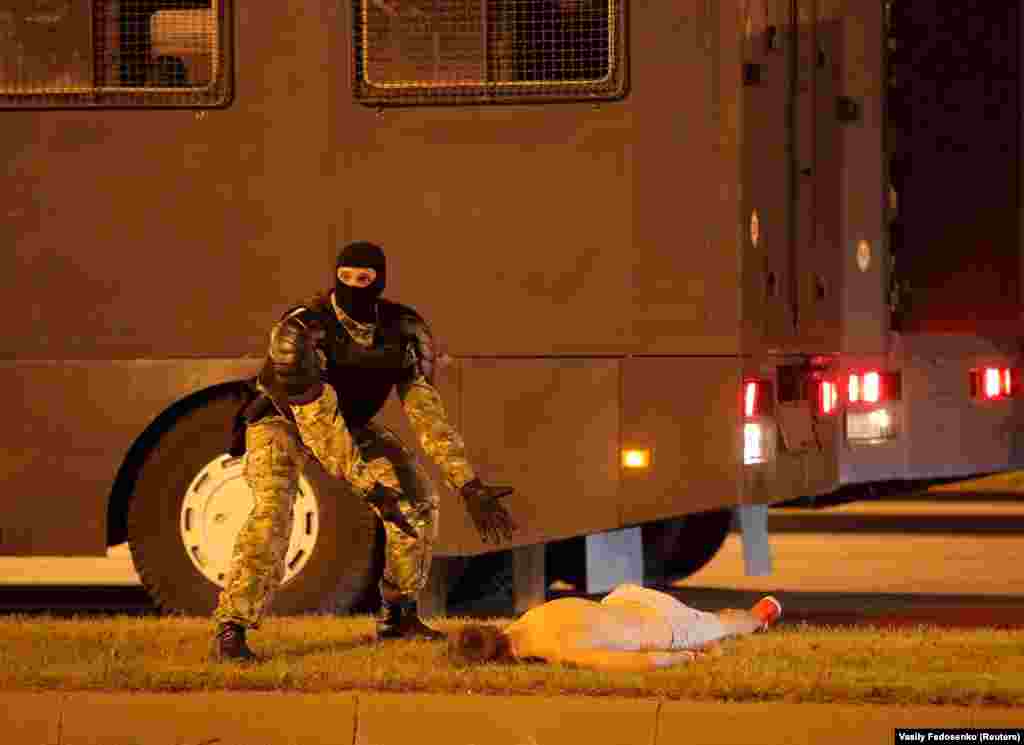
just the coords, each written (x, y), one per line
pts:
(385, 499)
(295, 359)
(489, 515)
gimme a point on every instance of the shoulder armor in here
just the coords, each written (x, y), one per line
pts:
(312, 314)
(415, 332)
(394, 312)
(316, 320)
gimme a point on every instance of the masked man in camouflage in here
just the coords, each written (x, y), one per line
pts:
(332, 365)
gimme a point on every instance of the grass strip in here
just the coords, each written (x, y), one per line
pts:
(795, 662)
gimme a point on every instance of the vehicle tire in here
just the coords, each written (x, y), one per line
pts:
(677, 548)
(340, 570)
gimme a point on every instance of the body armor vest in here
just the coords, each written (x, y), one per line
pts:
(363, 378)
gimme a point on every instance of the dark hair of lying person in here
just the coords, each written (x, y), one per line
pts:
(479, 643)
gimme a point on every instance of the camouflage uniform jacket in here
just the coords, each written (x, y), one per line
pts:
(364, 363)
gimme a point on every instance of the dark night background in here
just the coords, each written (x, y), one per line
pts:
(954, 110)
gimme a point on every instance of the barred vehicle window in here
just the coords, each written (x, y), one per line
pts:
(479, 51)
(57, 53)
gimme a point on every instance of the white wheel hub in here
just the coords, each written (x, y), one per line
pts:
(215, 508)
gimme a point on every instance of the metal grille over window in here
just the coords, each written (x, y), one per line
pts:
(114, 53)
(478, 51)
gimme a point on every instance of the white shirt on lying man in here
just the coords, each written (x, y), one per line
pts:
(632, 629)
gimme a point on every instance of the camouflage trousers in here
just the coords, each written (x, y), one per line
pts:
(276, 453)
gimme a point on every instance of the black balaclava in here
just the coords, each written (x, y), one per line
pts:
(360, 303)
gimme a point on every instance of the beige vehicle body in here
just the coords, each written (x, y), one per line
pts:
(605, 261)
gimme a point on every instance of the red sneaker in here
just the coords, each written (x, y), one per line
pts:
(767, 610)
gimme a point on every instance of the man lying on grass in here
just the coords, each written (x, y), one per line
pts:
(633, 629)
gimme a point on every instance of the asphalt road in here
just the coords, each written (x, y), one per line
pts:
(949, 564)
(890, 579)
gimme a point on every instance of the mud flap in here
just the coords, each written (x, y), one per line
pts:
(757, 557)
(797, 428)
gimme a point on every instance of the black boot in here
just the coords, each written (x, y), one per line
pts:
(398, 620)
(230, 644)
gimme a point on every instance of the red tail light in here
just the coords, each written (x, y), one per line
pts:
(758, 428)
(757, 398)
(828, 397)
(749, 399)
(873, 387)
(993, 383)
